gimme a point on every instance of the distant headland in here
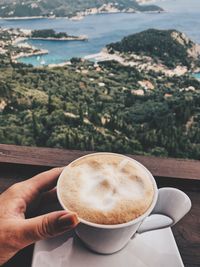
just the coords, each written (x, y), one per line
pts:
(52, 9)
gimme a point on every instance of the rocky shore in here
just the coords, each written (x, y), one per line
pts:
(110, 8)
(141, 63)
(29, 54)
(13, 41)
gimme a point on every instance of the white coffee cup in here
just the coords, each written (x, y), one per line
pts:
(169, 205)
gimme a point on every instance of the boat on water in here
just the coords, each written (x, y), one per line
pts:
(42, 62)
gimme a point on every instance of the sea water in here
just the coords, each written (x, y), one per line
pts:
(182, 15)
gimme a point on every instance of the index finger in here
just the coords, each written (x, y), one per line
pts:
(46, 180)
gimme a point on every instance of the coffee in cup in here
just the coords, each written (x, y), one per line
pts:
(116, 197)
(106, 188)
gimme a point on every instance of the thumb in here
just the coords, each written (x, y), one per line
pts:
(47, 225)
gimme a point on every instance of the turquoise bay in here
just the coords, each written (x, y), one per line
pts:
(197, 75)
(104, 29)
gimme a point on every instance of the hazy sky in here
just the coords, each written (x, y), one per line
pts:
(180, 5)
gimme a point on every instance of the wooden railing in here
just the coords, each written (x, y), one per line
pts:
(52, 157)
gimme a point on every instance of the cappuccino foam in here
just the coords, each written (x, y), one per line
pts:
(106, 188)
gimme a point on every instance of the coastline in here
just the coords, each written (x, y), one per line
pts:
(22, 49)
(81, 16)
(84, 14)
(70, 38)
(36, 53)
(100, 57)
(104, 55)
(24, 18)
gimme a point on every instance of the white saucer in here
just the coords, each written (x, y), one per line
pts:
(152, 249)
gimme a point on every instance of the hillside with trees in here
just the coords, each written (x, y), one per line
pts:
(53, 35)
(102, 108)
(46, 33)
(170, 47)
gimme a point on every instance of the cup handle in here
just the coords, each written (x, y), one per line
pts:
(172, 205)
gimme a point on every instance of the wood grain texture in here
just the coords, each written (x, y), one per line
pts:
(187, 233)
(51, 157)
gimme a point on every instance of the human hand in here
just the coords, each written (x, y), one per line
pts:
(17, 232)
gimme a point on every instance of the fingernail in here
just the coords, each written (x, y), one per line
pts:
(68, 221)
